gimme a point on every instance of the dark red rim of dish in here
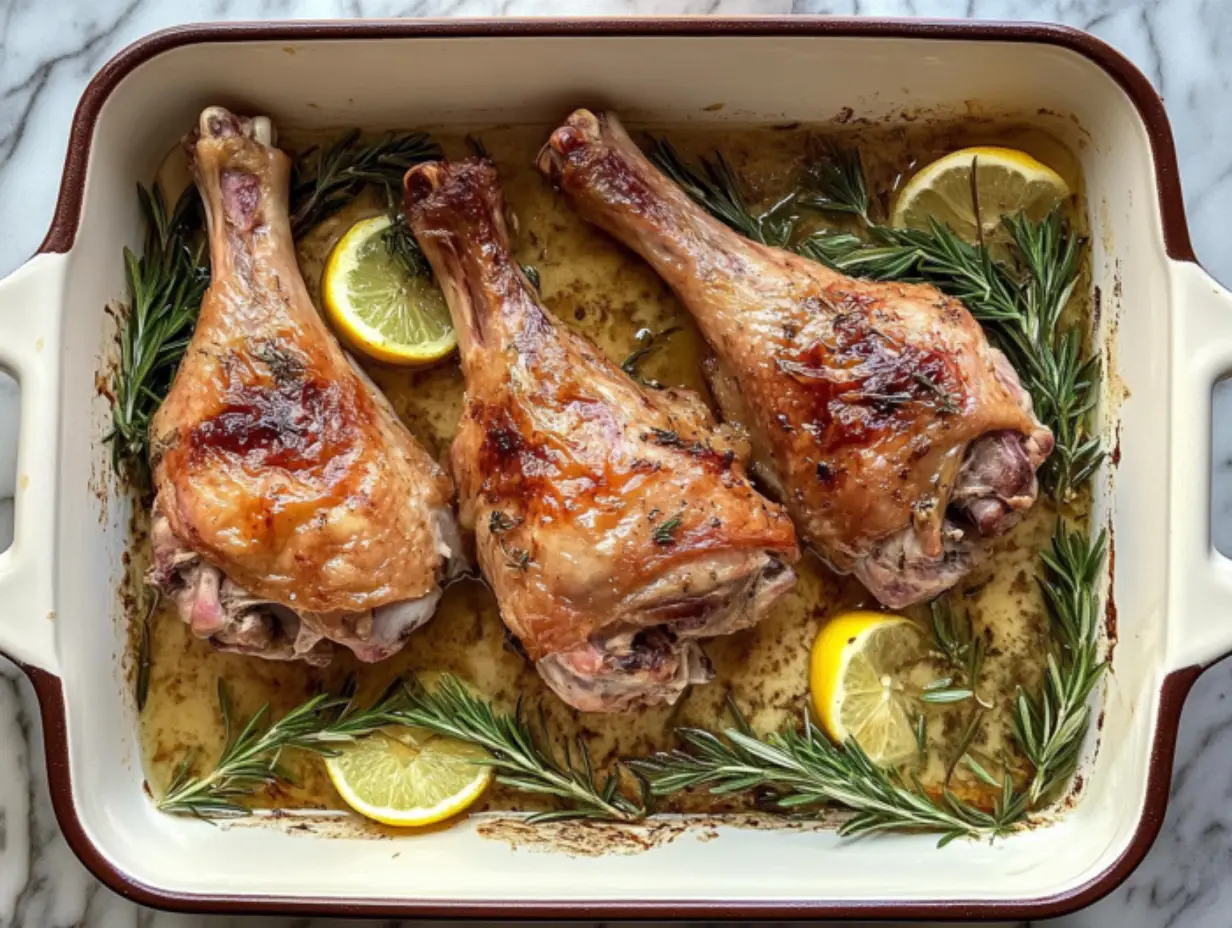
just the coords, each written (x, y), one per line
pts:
(1175, 686)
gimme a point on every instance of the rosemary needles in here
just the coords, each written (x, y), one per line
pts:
(165, 286)
(1051, 727)
(323, 180)
(804, 771)
(523, 759)
(715, 186)
(252, 752)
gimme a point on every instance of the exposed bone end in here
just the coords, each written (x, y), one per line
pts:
(467, 187)
(582, 128)
(263, 130)
(218, 122)
(422, 179)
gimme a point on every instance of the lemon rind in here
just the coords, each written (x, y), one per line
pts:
(354, 330)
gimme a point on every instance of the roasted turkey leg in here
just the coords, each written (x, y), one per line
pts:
(614, 523)
(293, 508)
(895, 434)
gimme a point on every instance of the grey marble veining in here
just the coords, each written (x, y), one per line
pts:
(49, 51)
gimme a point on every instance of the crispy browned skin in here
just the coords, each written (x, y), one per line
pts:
(275, 461)
(600, 507)
(864, 396)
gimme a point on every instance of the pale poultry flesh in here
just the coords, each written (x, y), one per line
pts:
(896, 435)
(614, 522)
(294, 512)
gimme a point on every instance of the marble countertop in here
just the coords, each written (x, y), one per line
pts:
(49, 51)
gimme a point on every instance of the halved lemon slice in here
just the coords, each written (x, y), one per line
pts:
(409, 777)
(378, 306)
(1005, 181)
(859, 675)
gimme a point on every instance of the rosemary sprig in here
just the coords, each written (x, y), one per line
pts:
(522, 760)
(834, 182)
(1051, 727)
(806, 771)
(715, 186)
(400, 240)
(963, 650)
(165, 287)
(323, 180)
(251, 754)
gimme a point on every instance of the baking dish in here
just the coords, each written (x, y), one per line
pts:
(1164, 329)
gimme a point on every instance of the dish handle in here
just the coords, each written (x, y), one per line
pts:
(1201, 596)
(30, 302)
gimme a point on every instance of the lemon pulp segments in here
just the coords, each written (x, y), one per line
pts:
(405, 776)
(858, 676)
(1008, 181)
(378, 306)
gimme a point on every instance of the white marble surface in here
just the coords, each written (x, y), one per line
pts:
(48, 52)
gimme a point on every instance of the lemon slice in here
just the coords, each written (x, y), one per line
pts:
(859, 670)
(1008, 181)
(380, 308)
(407, 776)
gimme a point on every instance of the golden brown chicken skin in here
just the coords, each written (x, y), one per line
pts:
(615, 523)
(293, 508)
(894, 433)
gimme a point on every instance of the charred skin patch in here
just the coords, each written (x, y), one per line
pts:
(295, 425)
(517, 474)
(857, 384)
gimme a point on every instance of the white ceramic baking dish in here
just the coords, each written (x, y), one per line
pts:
(1165, 330)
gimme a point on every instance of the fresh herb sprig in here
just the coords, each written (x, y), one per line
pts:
(324, 180)
(717, 188)
(963, 650)
(522, 759)
(834, 182)
(1051, 727)
(165, 287)
(400, 241)
(251, 754)
(804, 771)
